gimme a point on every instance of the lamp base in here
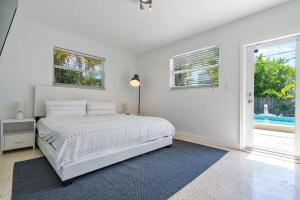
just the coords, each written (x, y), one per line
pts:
(19, 116)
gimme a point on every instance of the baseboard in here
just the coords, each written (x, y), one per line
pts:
(206, 141)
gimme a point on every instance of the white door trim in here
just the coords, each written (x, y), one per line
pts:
(243, 95)
(297, 102)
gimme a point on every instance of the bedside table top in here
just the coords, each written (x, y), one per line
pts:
(17, 120)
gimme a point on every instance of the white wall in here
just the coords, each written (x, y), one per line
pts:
(27, 61)
(205, 113)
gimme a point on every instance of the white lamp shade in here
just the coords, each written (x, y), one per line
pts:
(19, 106)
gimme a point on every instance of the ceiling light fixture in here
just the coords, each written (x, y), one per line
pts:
(149, 2)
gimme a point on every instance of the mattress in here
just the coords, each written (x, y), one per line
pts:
(74, 138)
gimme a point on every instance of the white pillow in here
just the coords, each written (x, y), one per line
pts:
(101, 108)
(65, 108)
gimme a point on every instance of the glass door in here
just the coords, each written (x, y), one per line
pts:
(271, 96)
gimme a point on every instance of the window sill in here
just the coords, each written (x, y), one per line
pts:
(196, 86)
(78, 86)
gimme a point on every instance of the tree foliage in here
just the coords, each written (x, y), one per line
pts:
(286, 93)
(275, 79)
(76, 69)
(284, 97)
(272, 77)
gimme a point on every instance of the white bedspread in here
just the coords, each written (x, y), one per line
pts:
(75, 137)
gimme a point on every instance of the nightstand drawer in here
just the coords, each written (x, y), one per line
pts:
(15, 141)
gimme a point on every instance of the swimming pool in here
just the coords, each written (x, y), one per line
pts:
(262, 119)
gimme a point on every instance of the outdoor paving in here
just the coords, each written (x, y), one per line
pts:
(273, 140)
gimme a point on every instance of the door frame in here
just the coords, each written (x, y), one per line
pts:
(244, 89)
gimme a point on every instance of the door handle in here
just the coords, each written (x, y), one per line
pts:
(250, 101)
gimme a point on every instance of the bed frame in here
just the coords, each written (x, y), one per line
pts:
(90, 163)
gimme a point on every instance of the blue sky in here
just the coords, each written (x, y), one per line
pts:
(285, 50)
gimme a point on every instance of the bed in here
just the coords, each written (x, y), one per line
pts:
(75, 145)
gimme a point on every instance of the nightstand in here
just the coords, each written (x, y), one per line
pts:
(17, 134)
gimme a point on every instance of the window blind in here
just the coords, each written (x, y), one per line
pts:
(197, 68)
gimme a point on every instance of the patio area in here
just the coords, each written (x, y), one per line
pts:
(282, 142)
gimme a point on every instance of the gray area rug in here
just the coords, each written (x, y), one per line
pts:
(155, 175)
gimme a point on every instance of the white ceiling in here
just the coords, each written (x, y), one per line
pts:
(122, 24)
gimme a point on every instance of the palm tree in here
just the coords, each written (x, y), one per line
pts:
(283, 97)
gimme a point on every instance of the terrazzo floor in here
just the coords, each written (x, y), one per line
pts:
(237, 176)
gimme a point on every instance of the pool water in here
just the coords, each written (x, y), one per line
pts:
(262, 119)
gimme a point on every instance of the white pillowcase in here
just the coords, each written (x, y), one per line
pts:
(101, 108)
(65, 108)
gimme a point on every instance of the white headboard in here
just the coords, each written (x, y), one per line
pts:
(63, 93)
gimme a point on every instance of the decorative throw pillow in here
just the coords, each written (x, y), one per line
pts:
(101, 108)
(65, 108)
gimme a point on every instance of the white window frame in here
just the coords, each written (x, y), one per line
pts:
(173, 73)
(78, 70)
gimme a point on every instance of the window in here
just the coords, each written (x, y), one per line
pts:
(77, 70)
(196, 69)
